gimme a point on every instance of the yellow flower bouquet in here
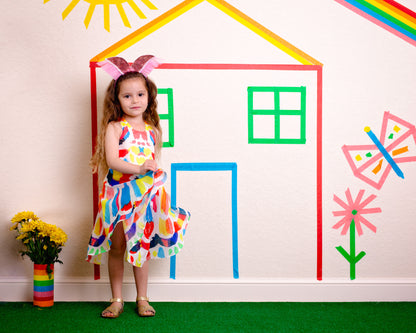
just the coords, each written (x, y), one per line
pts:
(43, 242)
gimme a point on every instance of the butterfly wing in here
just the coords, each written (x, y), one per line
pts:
(367, 163)
(399, 138)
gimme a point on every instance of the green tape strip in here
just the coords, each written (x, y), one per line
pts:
(276, 112)
(168, 116)
(351, 257)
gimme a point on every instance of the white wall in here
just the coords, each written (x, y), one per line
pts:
(46, 144)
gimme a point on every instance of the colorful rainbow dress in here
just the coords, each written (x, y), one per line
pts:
(153, 229)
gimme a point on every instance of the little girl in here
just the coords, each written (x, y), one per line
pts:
(135, 220)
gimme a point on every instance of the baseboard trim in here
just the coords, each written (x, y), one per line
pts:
(80, 289)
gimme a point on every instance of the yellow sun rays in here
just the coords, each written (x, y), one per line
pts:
(106, 8)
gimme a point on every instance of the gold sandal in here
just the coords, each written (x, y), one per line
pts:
(115, 311)
(142, 309)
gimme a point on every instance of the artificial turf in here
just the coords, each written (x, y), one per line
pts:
(213, 317)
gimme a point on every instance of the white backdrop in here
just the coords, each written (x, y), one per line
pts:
(46, 144)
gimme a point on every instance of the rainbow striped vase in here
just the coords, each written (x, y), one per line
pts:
(43, 286)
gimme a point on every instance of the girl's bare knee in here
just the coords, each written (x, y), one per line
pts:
(117, 251)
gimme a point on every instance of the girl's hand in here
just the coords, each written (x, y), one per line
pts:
(148, 165)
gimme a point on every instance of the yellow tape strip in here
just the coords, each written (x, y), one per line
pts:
(87, 19)
(107, 17)
(123, 15)
(149, 4)
(40, 277)
(136, 9)
(70, 7)
(395, 12)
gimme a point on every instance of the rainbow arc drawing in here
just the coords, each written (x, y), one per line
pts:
(388, 14)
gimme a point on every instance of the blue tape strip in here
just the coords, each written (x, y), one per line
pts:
(172, 272)
(385, 153)
(234, 221)
(210, 167)
(173, 204)
(381, 18)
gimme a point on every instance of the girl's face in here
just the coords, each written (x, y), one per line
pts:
(133, 97)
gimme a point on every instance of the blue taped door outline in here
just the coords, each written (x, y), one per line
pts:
(175, 167)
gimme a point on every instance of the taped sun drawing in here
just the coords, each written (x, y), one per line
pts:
(106, 7)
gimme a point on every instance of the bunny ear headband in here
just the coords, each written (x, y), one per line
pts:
(117, 66)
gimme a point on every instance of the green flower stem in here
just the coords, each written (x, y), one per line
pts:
(351, 257)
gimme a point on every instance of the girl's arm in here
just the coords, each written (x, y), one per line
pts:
(112, 137)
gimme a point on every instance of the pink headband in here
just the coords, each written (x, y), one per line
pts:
(117, 66)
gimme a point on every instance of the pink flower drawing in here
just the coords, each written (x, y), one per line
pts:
(354, 209)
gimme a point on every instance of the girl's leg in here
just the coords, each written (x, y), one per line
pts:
(141, 275)
(116, 266)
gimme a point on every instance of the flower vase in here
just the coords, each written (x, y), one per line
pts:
(43, 285)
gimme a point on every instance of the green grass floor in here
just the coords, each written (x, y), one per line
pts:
(213, 317)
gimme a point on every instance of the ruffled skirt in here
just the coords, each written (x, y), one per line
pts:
(153, 229)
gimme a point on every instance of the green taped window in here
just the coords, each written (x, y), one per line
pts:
(276, 115)
(165, 110)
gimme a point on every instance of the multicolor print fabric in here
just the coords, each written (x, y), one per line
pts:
(153, 229)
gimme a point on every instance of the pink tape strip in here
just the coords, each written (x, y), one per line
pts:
(367, 201)
(340, 202)
(358, 226)
(405, 159)
(370, 210)
(43, 293)
(376, 185)
(349, 197)
(359, 197)
(369, 225)
(341, 222)
(399, 120)
(339, 212)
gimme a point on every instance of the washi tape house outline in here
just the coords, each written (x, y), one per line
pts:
(307, 63)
